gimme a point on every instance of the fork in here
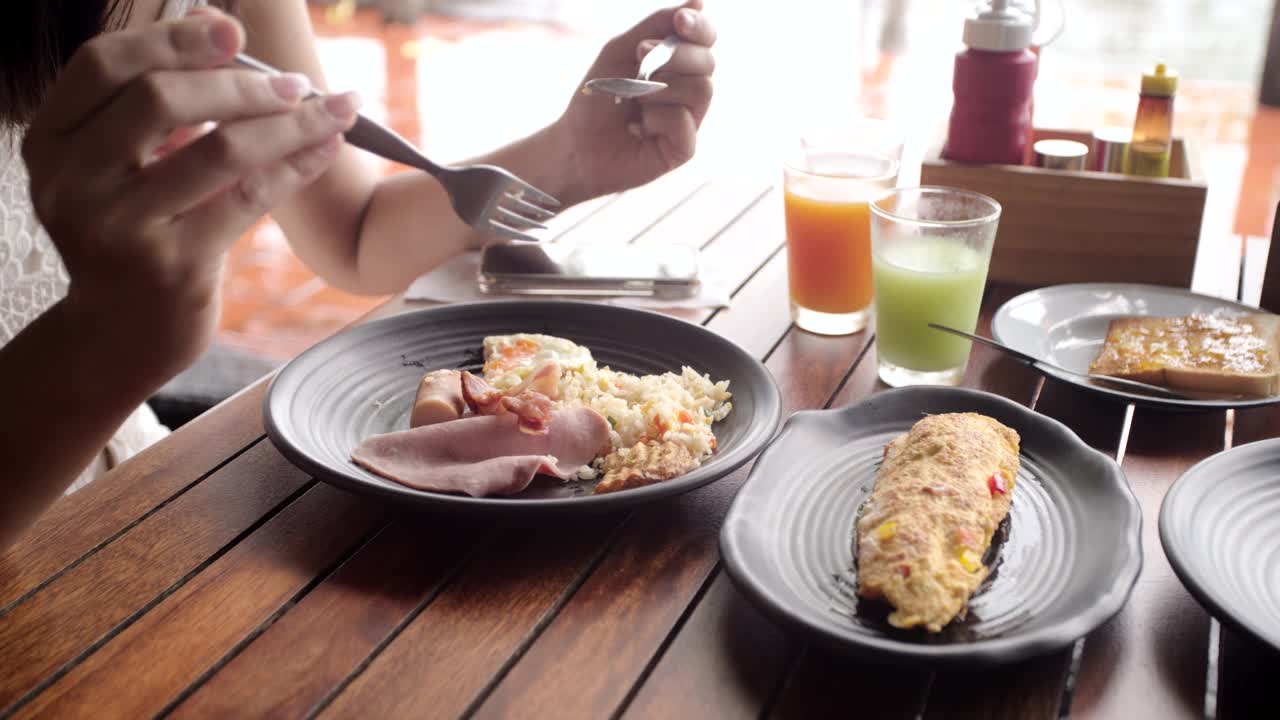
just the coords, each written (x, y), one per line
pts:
(485, 197)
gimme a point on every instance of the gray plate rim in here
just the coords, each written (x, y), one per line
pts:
(989, 651)
(1200, 590)
(736, 457)
(1116, 394)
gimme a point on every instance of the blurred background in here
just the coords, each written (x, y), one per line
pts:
(462, 76)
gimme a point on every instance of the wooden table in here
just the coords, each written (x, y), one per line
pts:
(208, 577)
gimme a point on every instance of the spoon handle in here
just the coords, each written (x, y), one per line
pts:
(660, 55)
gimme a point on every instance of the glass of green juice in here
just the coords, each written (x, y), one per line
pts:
(930, 249)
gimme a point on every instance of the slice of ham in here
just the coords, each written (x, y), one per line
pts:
(439, 398)
(486, 454)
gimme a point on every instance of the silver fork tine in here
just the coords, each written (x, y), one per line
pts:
(537, 194)
(536, 211)
(517, 220)
(510, 232)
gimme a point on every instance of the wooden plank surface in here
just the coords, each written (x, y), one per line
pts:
(1151, 658)
(368, 597)
(143, 669)
(103, 593)
(212, 568)
(724, 662)
(79, 524)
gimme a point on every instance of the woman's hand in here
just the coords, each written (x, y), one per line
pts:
(614, 146)
(142, 225)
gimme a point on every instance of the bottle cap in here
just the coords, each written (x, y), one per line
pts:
(999, 27)
(1161, 81)
(1060, 154)
(1110, 144)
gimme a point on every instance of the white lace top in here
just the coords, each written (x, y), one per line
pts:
(32, 278)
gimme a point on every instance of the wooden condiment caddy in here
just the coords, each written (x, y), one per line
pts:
(1061, 226)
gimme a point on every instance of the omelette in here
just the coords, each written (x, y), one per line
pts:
(940, 493)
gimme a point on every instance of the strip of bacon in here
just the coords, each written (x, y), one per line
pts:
(480, 396)
(531, 407)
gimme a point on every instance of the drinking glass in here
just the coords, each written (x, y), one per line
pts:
(931, 247)
(827, 183)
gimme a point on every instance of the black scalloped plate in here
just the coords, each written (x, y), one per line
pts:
(362, 381)
(1220, 528)
(1065, 560)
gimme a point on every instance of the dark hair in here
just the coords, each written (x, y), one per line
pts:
(38, 37)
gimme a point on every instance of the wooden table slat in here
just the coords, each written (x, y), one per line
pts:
(1160, 638)
(361, 597)
(710, 210)
(85, 520)
(143, 669)
(825, 685)
(100, 594)
(446, 656)
(724, 662)
(625, 218)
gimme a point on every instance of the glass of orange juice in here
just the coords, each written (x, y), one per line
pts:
(827, 183)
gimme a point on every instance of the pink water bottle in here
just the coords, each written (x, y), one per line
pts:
(994, 77)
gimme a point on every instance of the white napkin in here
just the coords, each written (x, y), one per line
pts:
(456, 281)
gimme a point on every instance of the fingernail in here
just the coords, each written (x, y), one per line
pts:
(685, 19)
(342, 107)
(224, 37)
(290, 86)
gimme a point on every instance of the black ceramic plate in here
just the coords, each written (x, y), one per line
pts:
(1069, 555)
(1220, 527)
(362, 381)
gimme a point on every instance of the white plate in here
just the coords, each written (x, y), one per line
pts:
(1067, 324)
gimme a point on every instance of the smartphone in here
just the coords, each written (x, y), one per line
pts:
(663, 271)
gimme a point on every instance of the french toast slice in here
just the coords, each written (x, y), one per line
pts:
(1216, 354)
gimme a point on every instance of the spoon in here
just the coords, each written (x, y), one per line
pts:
(641, 85)
(1032, 360)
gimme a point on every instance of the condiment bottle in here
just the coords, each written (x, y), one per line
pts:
(993, 80)
(1153, 126)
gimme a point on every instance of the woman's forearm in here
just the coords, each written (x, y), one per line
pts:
(410, 225)
(66, 393)
(381, 233)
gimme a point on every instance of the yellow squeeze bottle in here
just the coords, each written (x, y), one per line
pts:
(1153, 126)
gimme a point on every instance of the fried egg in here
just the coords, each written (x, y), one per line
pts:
(509, 359)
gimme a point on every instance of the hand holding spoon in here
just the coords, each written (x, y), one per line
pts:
(641, 85)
